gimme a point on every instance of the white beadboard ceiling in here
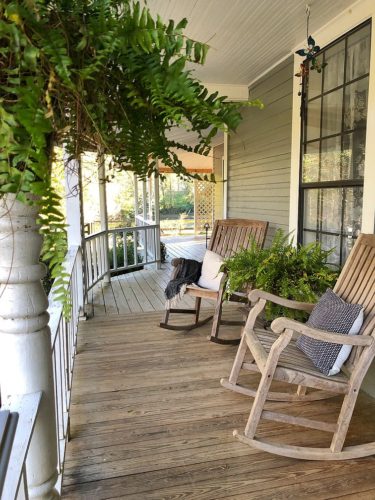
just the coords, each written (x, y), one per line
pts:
(246, 37)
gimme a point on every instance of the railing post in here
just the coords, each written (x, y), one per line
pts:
(25, 337)
(157, 222)
(74, 218)
(103, 213)
(136, 207)
(144, 200)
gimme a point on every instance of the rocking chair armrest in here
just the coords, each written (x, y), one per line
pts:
(279, 325)
(257, 294)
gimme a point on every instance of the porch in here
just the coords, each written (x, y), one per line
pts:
(146, 414)
(149, 419)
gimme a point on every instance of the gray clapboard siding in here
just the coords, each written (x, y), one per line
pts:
(259, 153)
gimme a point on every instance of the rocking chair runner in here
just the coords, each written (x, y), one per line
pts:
(228, 237)
(275, 356)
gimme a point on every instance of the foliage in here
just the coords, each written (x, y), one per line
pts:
(120, 253)
(180, 203)
(130, 253)
(104, 74)
(176, 196)
(119, 193)
(293, 272)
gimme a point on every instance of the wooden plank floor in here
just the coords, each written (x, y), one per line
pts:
(149, 420)
(144, 290)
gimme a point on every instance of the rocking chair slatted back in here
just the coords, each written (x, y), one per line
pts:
(356, 284)
(231, 235)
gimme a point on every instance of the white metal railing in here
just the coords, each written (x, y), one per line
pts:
(95, 248)
(152, 245)
(64, 342)
(17, 421)
(128, 247)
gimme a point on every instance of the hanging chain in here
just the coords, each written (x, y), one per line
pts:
(307, 20)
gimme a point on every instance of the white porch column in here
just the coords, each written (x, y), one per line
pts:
(157, 220)
(150, 196)
(136, 208)
(103, 213)
(74, 215)
(25, 338)
(225, 176)
(144, 200)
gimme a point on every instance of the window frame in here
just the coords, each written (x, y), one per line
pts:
(340, 183)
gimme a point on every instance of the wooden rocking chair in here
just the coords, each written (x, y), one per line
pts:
(275, 356)
(228, 237)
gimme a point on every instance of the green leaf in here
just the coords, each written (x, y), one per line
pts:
(197, 51)
(204, 53)
(82, 44)
(31, 55)
(188, 47)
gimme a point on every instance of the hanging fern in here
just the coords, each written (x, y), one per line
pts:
(104, 74)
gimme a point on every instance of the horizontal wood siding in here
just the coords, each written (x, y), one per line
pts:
(259, 153)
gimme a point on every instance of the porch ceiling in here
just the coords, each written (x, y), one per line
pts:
(247, 37)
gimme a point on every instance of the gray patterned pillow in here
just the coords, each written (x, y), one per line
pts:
(332, 314)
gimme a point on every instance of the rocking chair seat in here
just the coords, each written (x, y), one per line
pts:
(292, 359)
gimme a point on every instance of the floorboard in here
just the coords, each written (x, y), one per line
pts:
(149, 420)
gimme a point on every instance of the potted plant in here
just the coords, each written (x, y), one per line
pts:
(297, 272)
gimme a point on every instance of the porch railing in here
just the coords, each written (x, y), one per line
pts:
(128, 248)
(151, 245)
(64, 344)
(63, 350)
(17, 420)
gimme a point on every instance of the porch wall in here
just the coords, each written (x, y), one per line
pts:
(218, 171)
(259, 153)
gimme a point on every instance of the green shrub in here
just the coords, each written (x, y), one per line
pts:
(120, 252)
(294, 272)
(130, 253)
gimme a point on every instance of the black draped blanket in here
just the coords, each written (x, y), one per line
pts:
(188, 272)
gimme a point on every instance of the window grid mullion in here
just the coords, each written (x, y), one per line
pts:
(342, 184)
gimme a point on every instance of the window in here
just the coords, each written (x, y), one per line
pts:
(334, 116)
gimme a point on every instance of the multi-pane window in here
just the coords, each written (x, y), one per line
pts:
(334, 116)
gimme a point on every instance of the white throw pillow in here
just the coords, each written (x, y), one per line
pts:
(346, 349)
(331, 314)
(210, 276)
